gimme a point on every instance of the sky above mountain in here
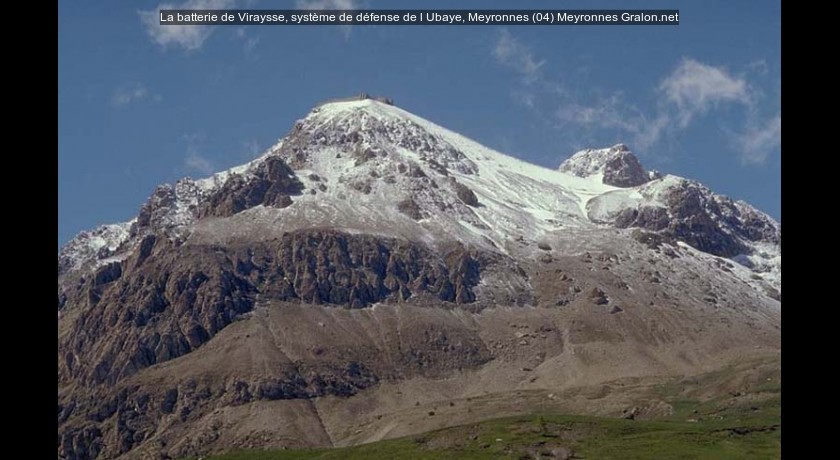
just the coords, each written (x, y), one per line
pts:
(140, 104)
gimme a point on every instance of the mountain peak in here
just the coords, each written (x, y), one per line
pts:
(366, 166)
(339, 107)
(361, 102)
(360, 98)
(617, 165)
(362, 250)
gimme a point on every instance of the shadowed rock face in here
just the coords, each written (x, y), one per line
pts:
(110, 421)
(465, 194)
(624, 170)
(273, 184)
(132, 413)
(355, 271)
(157, 305)
(168, 300)
(695, 216)
(620, 168)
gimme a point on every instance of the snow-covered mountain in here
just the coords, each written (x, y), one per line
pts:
(615, 166)
(369, 167)
(372, 268)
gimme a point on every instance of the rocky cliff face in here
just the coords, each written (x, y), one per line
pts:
(172, 298)
(372, 250)
(272, 184)
(711, 223)
(616, 166)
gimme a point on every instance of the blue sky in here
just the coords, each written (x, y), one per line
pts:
(140, 105)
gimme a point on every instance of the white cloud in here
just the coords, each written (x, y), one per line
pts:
(651, 130)
(606, 113)
(252, 148)
(759, 66)
(330, 5)
(598, 113)
(693, 88)
(251, 43)
(613, 113)
(127, 94)
(757, 141)
(524, 97)
(187, 37)
(194, 161)
(512, 53)
(248, 42)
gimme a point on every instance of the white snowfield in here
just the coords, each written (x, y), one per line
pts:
(409, 158)
(95, 245)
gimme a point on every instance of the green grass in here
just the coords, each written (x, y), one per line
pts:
(722, 431)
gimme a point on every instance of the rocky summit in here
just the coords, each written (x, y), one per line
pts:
(372, 268)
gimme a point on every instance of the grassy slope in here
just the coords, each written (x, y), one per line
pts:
(725, 429)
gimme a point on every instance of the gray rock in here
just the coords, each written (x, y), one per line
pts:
(618, 165)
